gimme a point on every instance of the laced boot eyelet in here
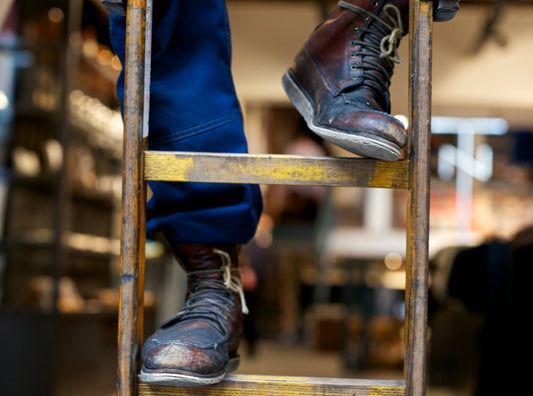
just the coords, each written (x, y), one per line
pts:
(353, 43)
(375, 4)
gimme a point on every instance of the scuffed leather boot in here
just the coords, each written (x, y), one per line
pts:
(199, 345)
(340, 79)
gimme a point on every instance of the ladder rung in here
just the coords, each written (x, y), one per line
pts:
(260, 385)
(275, 169)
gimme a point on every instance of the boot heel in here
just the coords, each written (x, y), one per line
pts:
(233, 364)
(298, 98)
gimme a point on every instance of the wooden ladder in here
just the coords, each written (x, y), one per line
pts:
(411, 174)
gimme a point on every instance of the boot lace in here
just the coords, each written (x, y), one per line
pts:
(381, 41)
(231, 281)
(202, 304)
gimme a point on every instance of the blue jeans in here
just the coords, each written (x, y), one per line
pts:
(194, 107)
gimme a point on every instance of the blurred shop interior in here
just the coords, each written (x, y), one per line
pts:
(327, 266)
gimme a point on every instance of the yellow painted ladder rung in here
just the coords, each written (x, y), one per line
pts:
(275, 169)
(260, 385)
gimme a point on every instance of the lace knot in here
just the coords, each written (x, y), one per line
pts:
(232, 282)
(391, 27)
(389, 43)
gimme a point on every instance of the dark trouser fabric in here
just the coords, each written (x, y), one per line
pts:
(194, 107)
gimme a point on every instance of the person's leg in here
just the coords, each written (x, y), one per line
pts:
(193, 107)
(340, 79)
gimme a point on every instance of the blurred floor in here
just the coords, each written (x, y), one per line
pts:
(277, 358)
(288, 359)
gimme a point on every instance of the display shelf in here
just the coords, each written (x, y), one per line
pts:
(77, 242)
(62, 153)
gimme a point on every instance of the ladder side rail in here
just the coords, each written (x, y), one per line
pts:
(421, 24)
(133, 203)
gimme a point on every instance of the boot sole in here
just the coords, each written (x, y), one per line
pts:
(372, 147)
(187, 379)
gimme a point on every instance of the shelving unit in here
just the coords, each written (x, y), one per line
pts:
(62, 176)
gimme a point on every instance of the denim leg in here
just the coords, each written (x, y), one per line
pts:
(194, 107)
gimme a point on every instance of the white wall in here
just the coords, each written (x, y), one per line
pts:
(497, 81)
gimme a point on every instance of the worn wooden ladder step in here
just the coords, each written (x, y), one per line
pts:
(275, 169)
(260, 385)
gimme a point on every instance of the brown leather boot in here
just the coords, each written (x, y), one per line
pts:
(340, 79)
(199, 345)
